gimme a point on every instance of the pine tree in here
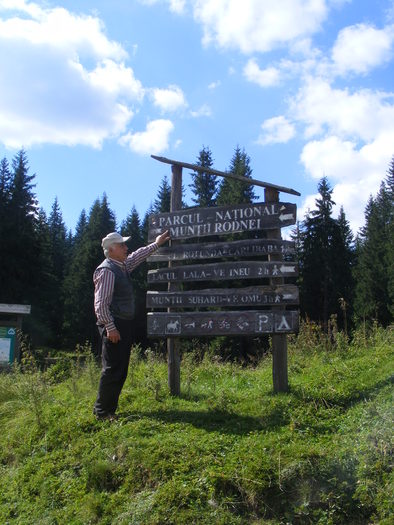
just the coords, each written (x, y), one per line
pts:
(324, 259)
(73, 242)
(232, 191)
(80, 227)
(58, 233)
(26, 271)
(5, 225)
(46, 300)
(79, 318)
(204, 185)
(5, 184)
(374, 269)
(389, 258)
(58, 256)
(343, 265)
(145, 224)
(20, 269)
(363, 276)
(131, 227)
(162, 202)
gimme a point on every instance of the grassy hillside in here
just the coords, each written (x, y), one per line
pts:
(227, 451)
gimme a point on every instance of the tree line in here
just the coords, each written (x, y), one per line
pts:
(50, 267)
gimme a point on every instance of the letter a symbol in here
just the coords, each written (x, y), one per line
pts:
(283, 325)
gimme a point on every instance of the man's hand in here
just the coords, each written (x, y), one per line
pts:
(164, 237)
(113, 336)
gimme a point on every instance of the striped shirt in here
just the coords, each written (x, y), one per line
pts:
(104, 281)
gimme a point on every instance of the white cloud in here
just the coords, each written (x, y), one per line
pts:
(354, 172)
(362, 114)
(303, 46)
(59, 29)
(276, 130)
(350, 137)
(154, 140)
(362, 47)
(79, 88)
(203, 111)
(258, 25)
(170, 99)
(176, 6)
(214, 85)
(116, 79)
(263, 77)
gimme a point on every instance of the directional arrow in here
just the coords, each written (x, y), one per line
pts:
(285, 216)
(287, 269)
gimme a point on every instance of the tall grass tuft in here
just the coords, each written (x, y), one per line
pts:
(30, 385)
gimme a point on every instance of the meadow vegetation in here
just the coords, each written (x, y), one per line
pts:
(227, 451)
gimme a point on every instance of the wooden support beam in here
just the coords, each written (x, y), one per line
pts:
(173, 354)
(210, 171)
(279, 341)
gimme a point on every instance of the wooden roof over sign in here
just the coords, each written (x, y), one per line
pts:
(210, 171)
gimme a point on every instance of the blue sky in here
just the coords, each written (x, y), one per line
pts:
(91, 89)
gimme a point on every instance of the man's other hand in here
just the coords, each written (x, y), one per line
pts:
(113, 336)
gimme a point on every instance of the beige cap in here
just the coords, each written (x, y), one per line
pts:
(113, 238)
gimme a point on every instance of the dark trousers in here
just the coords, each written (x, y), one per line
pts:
(115, 363)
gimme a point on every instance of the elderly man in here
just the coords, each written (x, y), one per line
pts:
(114, 308)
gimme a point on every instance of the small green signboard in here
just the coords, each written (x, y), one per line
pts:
(7, 344)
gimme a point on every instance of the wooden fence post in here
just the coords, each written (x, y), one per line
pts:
(279, 341)
(173, 356)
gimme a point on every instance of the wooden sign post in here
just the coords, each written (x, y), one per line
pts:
(270, 314)
(279, 341)
(173, 356)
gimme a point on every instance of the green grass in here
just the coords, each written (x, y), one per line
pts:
(227, 451)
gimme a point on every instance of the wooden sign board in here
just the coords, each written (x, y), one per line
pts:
(256, 322)
(15, 308)
(216, 250)
(223, 271)
(250, 296)
(201, 222)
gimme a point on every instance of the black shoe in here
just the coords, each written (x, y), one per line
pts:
(106, 417)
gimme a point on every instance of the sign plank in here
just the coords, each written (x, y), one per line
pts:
(215, 250)
(15, 308)
(253, 295)
(253, 322)
(202, 222)
(223, 271)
